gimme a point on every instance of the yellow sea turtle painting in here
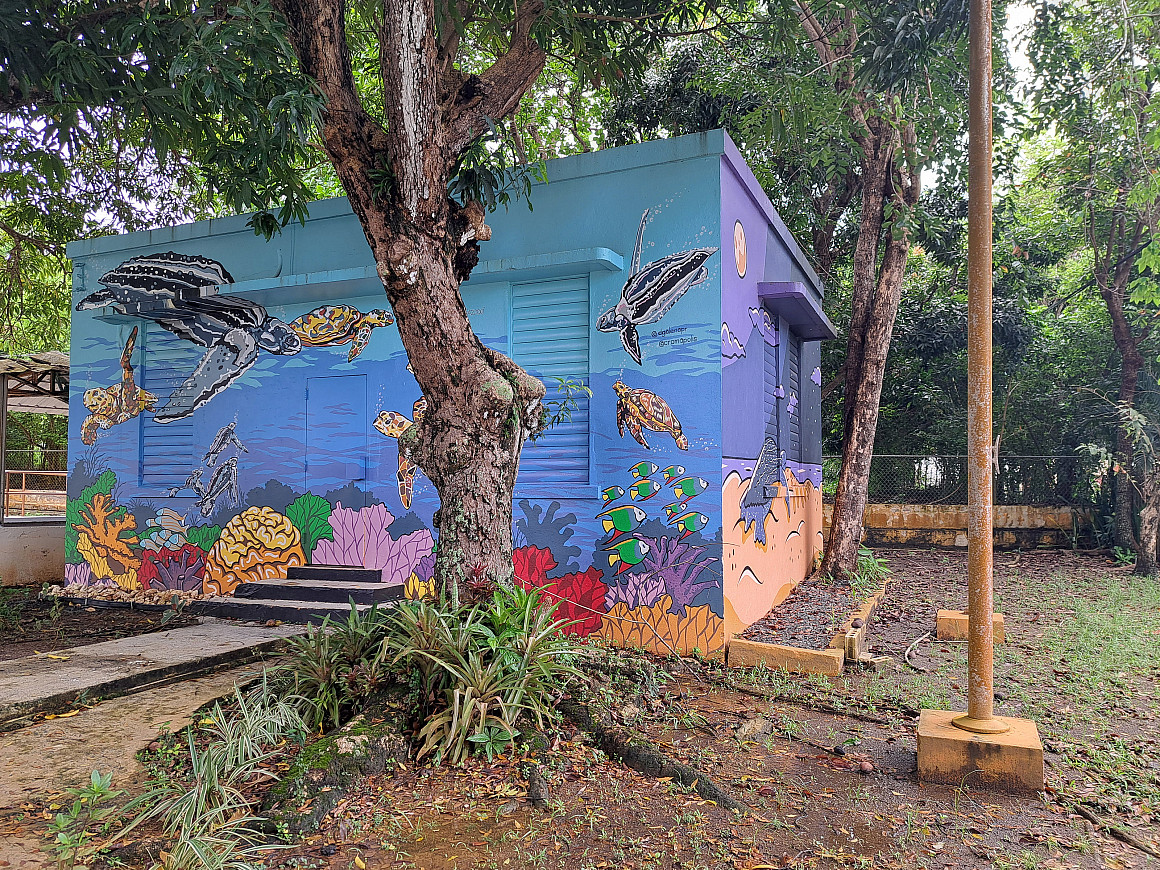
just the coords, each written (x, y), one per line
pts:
(119, 403)
(330, 325)
(393, 424)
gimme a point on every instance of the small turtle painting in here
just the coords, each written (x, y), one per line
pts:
(119, 403)
(331, 325)
(641, 409)
(652, 290)
(393, 424)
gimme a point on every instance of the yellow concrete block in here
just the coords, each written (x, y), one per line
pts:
(952, 625)
(747, 653)
(1012, 761)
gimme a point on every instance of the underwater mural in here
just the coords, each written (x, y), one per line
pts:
(119, 403)
(642, 409)
(333, 325)
(167, 289)
(392, 424)
(769, 548)
(650, 292)
(657, 516)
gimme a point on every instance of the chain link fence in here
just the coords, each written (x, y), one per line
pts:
(34, 482)
(1047, 481)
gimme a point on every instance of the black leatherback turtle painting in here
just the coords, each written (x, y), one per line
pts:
(770, 469)
(168, 290)
(652, 290)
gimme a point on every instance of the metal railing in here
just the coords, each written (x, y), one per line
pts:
(1056, 481)
(34, 483)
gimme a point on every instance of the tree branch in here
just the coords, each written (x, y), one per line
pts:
(497, 92)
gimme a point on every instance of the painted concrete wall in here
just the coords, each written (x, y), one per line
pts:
(771, 495)
(217, 439)
(31, 553)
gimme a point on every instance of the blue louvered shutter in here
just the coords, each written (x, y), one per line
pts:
(550, 340)
(793, 387)
(166, 448)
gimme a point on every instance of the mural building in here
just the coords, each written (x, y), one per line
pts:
(237, 403)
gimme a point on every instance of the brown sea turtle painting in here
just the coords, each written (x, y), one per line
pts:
(119, 403)
(642, 409)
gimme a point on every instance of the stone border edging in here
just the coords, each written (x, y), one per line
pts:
(17, 715)
(845, 647)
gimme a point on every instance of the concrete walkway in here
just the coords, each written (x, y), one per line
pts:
(54, 681)
(39, 762)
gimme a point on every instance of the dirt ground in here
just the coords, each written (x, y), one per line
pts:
(1082, 659)
(29, 625)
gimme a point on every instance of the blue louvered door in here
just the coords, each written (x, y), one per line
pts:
(167, 449)
(550, 340)
(793, 394)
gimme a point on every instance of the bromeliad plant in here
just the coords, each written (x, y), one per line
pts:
(471, 675)
(337, 665)
(485, 669)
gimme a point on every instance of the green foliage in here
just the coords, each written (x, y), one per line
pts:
(73, 829)
(569, 392)
(486, 173)
(337, 664)
(469, 675)
(1124, 556)
(203, 536)
(492, 665)
(75, 508)
(256, 720)
(203, 809)
(311, 516)
(870, 573)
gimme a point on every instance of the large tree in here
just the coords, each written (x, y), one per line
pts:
(398, 107)
(1097, 83)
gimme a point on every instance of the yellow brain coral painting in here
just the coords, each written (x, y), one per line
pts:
(257, 544)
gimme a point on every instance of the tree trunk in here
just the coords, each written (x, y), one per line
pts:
(876, 294)
(480, 405)
(1149, 545)
(1112, 281)
(1125, 505)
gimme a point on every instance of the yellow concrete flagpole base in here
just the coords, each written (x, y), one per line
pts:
(967, 722)
(1011, 760)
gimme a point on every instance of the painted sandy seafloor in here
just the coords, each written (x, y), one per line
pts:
(663, 550)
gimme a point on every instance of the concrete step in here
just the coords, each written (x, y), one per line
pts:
(335, 573)
(265, 609)
(338, 592)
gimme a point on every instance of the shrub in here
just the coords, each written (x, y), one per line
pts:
(484, 669)
(469, 674)
(338, 664)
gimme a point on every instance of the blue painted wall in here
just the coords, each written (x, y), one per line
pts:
(317, 480)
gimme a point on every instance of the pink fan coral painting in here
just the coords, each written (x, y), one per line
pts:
(361, 538)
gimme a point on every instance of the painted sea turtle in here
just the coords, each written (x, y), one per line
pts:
(119, 403)
(641, 409)
(393, 424)
(330, 325)
(652, 290)
(178, 292)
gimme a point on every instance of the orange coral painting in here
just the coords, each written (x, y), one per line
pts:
(257, 544)
(655, 629)
(758, 576)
